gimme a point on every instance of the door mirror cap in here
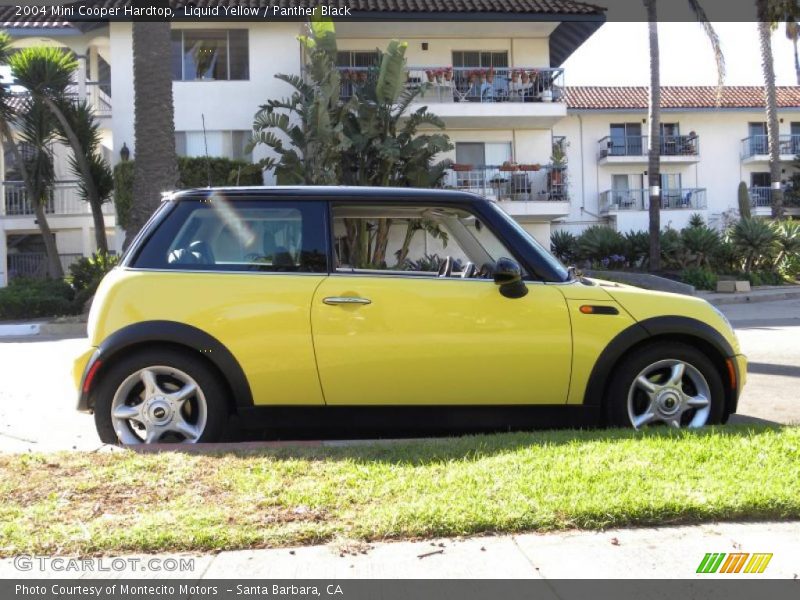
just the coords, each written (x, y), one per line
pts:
(508, 275)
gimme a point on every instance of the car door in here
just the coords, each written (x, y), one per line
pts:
(406, 336)
(243, 270)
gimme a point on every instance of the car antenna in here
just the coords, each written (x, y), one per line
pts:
(205, 143)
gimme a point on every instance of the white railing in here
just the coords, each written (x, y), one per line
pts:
(671, 199)
(470, 84)
(98, 94)
(64, 199)
(515, 183)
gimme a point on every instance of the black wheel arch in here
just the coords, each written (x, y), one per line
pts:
(174, 334)
(667, 328)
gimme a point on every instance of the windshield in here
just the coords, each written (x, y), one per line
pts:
(541, 250)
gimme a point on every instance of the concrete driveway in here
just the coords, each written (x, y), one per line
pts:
(37, 400)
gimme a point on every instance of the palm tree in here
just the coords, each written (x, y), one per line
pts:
(36, 175)
(81, 119)
(654, 116)
(46, 72)
(793, 35)
(765, 23)
(156, 168)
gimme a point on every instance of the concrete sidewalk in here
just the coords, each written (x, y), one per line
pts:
(649, 553)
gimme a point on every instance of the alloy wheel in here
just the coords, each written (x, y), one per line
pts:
(670, 392)
(159, 404)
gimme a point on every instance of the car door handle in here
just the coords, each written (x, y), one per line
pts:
(346, 300)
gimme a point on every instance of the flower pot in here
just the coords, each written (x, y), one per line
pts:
(461, 167)
(532, 167)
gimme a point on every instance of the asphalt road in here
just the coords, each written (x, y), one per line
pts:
(37, 399)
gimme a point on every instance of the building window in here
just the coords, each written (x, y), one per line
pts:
(469, 58)
(210, 54)
(626, 139)
(480, 153)
(230, 144)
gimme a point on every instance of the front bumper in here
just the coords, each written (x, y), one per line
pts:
(79, 369)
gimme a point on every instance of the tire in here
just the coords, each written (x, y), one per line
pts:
(160, 396)
(648, 387)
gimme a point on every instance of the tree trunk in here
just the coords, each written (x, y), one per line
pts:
(156, 167)
(654, 145)
(796, 60)
(86, 173)
(54, 268)
(771, 105)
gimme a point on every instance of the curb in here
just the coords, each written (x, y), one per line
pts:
(754, 296)
(17, 330)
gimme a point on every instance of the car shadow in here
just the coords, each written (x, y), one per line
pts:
(448, 448)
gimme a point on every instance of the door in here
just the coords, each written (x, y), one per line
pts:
(626, 139)
(671, 191)
(757, 134)
(244, 271)
(388, 330)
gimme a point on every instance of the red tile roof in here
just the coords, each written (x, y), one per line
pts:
(677, 96)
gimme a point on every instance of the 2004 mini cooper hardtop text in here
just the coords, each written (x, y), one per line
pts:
(382, 308)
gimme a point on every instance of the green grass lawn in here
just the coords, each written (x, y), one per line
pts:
(125, 501)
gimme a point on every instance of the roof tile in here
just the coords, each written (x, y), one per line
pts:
(675, 97)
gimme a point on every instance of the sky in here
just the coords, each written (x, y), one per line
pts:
(618, 54)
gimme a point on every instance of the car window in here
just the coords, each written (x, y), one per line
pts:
(413, 240)
(239, 235)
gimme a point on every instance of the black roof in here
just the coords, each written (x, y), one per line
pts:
(373, 194)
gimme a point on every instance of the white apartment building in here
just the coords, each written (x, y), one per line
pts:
(496, 79)
(707, 148)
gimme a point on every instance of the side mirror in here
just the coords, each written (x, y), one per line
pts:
(508, 275)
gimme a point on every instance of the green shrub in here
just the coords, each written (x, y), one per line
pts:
(637, 248)
(755, 241)
(696, 220)
(123, 192)
(195, 172)
(764, 277)
(700, 278)
(85, 275)
(700, 243)
(564, 245)
(673, 253)
(602, 246)
(32, 298)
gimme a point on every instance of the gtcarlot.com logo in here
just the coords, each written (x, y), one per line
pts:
(736, 562)
(59, 564)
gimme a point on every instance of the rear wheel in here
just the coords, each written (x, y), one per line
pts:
(669, 384)
(160, 396)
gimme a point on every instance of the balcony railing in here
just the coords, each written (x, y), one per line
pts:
(684, 198)
(64, 200)
(761, 197)
(34, 264)
(636, 145)
(759, 145)
(470, 84)
(98, 95)
(548, 183)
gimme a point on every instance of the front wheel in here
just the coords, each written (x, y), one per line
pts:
(160, 396)
(668, 384)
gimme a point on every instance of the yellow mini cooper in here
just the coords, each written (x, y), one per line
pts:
(382, 309)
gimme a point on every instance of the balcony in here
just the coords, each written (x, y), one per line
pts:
(612, 201)
(539, 193)
(761, 201)
(632, 149)
(755, 149)
(64, 200)
(98, 95)
(472, 97)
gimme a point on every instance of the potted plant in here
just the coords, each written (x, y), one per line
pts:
(509, 166)
(490, 76)
(429, 74)
(524, 77)
(461, 167)
(448, 74)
